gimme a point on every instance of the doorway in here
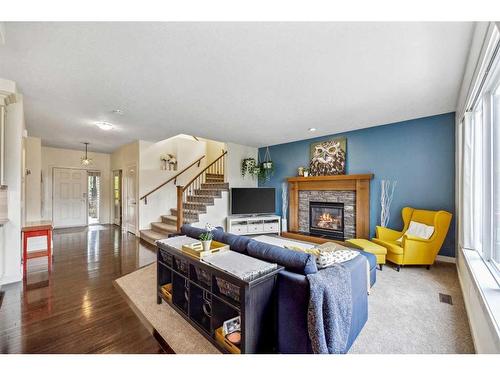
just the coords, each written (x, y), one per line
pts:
(69, 203)
(94, 196)
(131, 184)
(117, 197)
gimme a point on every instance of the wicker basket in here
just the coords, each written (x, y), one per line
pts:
(182, 266)
(203, 276)
(229, 290)
(166, 256)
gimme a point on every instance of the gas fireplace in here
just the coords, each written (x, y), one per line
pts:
(327, 219)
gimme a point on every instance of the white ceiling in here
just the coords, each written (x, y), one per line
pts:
(250, 83)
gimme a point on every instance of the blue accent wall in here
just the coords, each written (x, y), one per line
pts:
(419, 154)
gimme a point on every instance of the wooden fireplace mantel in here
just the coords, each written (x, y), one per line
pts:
(360, 183)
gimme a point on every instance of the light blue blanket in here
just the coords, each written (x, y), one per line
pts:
(330, 309)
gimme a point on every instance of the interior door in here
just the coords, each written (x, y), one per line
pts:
(117, 197)
(131, 199)
(69, 197)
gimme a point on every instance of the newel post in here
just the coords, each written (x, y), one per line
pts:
(180, 211)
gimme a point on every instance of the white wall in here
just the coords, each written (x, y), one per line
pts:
(217, 214)
(10, 233)
(121, 159)
(235, 154)
(33, 197)
(64, 158)
(214, 149)
(186, 150)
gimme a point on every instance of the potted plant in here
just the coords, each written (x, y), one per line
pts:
(248, 166)
(257, 170)
(206, 240)
(306, 172)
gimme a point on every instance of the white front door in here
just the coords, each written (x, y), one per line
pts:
(131, 199)
(69, 197)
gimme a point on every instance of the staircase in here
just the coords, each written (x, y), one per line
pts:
(192, 201)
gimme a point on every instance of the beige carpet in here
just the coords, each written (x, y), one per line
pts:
(405, 314)
(140, 287)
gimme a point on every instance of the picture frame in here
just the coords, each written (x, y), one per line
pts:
(231, 325)
(328, 157)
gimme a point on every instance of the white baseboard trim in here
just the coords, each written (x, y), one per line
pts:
(443, 258)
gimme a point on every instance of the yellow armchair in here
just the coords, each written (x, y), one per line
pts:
(414, 250)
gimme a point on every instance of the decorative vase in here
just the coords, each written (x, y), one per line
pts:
(206, 245)
(284, 225)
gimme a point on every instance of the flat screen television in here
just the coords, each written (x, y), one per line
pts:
(253, 201)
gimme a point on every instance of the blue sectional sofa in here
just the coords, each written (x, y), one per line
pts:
(293, 287)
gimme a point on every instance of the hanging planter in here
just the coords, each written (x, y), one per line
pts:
(263, 170)
(268, 163)
(266, 167)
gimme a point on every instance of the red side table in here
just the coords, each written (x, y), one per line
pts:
(37, 229)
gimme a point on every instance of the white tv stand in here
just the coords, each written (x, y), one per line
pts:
(248, 225)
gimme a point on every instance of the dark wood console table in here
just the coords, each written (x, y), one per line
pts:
(206, 297)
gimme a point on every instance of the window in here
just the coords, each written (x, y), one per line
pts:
(480, 169)
(94, 180)
(495, 255)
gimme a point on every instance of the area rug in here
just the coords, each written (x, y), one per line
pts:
(405, 313)
(139, 289)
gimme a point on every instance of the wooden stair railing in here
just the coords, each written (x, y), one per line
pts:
(173, 178)
(215, 167)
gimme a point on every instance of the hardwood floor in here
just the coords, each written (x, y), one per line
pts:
(76, 308)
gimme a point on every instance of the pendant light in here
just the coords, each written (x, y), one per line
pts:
(85, 160)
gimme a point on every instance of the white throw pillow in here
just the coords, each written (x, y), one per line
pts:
(418, 230)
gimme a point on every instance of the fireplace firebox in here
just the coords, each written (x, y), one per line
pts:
(327, 219)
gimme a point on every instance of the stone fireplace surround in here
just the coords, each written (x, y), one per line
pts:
(343, 196)
(329, 187)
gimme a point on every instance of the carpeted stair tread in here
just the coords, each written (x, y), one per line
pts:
(185, 211)
(201, 199)
(151, 236)
(210, 192)
(169, 219)
(163, 228)
(197, 206)
(215, 185)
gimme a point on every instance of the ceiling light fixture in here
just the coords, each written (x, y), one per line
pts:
(104, 125)
(85, 160)
(312, 129)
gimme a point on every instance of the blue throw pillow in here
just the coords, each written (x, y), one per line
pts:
(292, 260)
